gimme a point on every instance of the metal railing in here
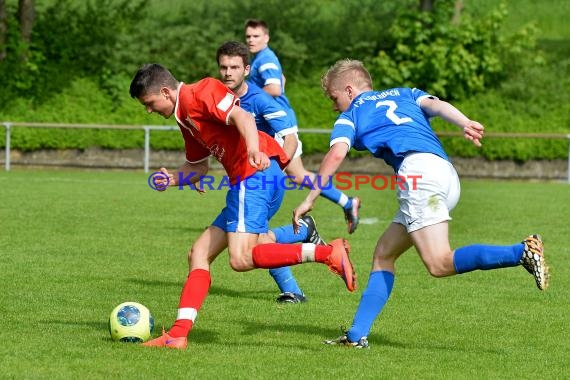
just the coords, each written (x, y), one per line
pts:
(147, 128)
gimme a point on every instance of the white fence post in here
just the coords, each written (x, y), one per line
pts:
(8, 133)
(146, 148)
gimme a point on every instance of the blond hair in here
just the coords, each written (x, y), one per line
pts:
(346, 71)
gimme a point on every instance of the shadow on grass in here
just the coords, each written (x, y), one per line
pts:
(323, 333)
(201, 336)
(254, 295)
(214, 290)
(97, 325)
(102, 326)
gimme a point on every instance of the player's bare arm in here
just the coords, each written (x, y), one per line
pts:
(245, 123)
(330, 164)
(473, 130)
(198, 169)
(273, 89)
(290, 143)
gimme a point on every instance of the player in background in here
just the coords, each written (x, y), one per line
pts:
(394, 126)
(233, 63)
(212, 123)
(266, 72)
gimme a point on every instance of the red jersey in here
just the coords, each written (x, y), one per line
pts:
(202, 113)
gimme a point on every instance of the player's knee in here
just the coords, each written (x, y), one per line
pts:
(267, 238)
(436, 271)
(438, 268)
(239, 264)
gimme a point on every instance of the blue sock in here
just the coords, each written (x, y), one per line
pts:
(335, 195)
(285, 234)
(472, 257)
(330, 192)
(285, 280)
(371, 303)
(284, 276)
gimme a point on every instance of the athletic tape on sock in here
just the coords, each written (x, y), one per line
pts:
(187, 313)
(308, 252)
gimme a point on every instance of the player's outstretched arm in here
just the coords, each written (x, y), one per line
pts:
(280, 122)
(472, 130)
(191, 172)
(290, 144)
(273, 89)
(330, 164)
(245, 123)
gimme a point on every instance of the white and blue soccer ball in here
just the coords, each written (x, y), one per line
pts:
(131, 322)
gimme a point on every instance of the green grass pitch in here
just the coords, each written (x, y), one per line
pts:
(74, 244)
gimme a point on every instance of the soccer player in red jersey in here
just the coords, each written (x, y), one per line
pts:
(213, 124)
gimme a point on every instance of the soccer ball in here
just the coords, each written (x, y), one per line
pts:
(131, 322)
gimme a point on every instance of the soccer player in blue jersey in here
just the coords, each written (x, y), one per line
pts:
(271, 118)
(266, 72)
(394, 126)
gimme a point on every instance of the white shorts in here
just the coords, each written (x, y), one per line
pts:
(299, 150)
(431, 191)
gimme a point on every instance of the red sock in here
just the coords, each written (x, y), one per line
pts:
(193, 294)
(276, 255)
(322, 252)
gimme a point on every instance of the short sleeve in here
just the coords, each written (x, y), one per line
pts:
(274, 114)
(215, 100)
(343, 131)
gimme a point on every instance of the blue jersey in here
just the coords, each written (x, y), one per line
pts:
(269, 116)
(389, 124)
(265, 70)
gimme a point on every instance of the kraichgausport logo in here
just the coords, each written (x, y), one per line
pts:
(160, 181)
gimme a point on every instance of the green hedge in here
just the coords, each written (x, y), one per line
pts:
(85, 53)
(499, 110)
(524, 105)
(494, 148)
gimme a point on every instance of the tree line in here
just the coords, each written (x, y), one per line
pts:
(56, 52)
(427, 43)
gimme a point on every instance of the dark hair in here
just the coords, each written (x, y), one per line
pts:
(233, 49)
(256, 23)
(150, 78)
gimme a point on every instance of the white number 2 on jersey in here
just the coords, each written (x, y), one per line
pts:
(390, 112)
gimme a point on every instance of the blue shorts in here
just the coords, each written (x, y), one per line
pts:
(251, 204)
